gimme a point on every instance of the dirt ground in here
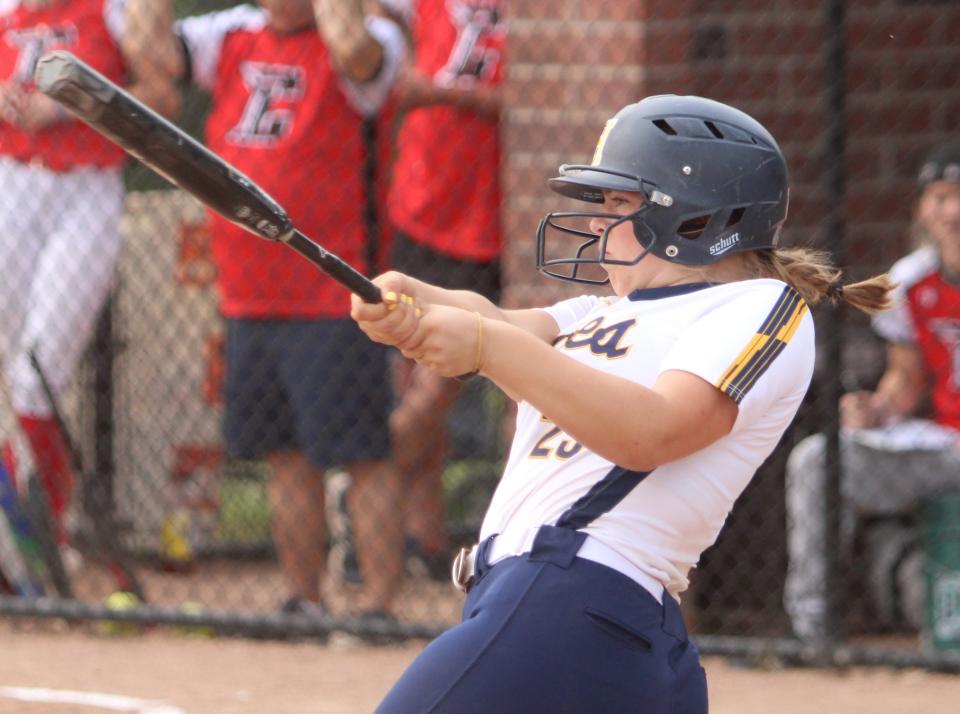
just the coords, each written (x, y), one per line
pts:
(164, 672)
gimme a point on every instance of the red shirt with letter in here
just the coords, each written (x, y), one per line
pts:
(926, 314)
(935, 306)
(445, 190)
(283, 116)
(90, 30)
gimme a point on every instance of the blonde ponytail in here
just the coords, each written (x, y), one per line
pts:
(813, 275)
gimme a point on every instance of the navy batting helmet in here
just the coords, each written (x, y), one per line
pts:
(714, 182)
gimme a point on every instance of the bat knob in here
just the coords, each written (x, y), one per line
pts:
(73, 83)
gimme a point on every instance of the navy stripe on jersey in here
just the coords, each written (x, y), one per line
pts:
(771, 338)
(602, 497)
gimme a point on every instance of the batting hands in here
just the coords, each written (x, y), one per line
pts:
(446, 339)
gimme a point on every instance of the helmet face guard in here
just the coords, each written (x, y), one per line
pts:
(714, 182)
(592, 249)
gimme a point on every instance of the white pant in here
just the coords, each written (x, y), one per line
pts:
(875, 482)
(59, 245)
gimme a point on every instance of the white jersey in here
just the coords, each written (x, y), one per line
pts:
(753, 339)
(896, 323)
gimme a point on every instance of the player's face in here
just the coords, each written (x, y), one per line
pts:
(938, 211)
(289, 15)
(622, 244)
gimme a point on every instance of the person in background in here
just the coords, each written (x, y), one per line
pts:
(444, 208)
(293, 83)
(60, 210)
(892, 456)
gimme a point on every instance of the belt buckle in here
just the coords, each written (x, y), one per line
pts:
(464, 568)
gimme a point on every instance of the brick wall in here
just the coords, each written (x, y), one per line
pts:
(575, 62)
(572, 64)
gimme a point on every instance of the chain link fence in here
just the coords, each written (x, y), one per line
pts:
(856, 93)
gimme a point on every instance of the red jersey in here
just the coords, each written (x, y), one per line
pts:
(445, 190)
(928, 316)
(284, 117)
(88, 29)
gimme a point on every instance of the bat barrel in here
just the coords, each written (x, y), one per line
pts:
(159, 144)
(182, 160)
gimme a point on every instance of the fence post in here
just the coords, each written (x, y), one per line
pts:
(99, 497)
(834, 185)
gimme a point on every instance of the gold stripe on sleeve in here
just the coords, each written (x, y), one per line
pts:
(774, 333)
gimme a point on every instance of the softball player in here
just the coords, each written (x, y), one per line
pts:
(60, 209)
(642, 415)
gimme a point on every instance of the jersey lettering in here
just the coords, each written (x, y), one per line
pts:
(262, 124)
(563, 451)
(32, 43)
(470, 58)
(603, 341)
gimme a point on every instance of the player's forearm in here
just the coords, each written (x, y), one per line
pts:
(620, 420)
(149, 40)
(153, 54)
(429, 294)
(159, 94)
(904, 384)
(482, 99)
(536, 322)
(897, 397)
(355, 51)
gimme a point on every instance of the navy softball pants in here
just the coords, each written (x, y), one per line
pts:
(547, 633)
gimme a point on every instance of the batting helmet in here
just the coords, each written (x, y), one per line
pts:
(714, 182)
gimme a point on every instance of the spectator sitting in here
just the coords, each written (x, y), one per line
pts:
(890, 459)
